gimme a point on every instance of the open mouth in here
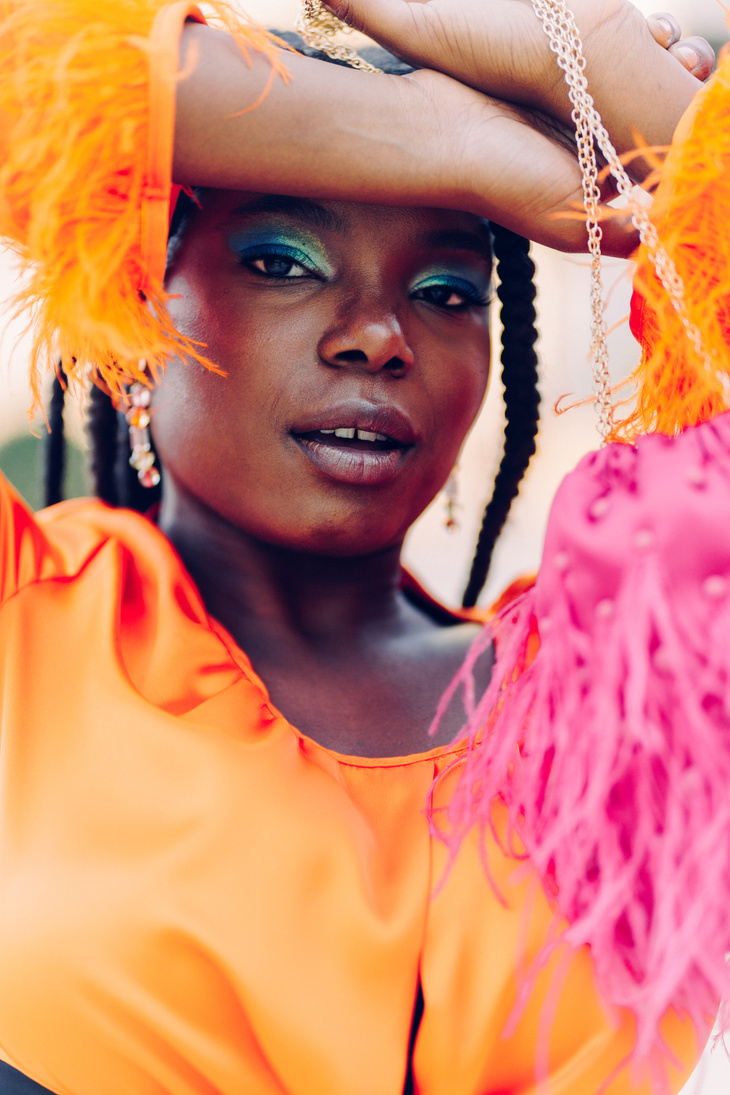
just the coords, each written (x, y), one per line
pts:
(352, 455)
(353, 440)
(357, 441)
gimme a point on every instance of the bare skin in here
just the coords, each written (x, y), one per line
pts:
(367, 316)
(387, 314)
(427, 139)
(500, 48)
(695, 54)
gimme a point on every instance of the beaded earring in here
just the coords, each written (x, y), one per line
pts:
(140, 442)
(451, 500)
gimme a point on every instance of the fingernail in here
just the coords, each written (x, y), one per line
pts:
(690, 56)
(673, 32)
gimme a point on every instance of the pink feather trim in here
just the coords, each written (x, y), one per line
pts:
(608, 737)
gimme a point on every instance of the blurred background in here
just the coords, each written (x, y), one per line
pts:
(439, 558)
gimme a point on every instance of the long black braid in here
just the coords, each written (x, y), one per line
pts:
(101, 426)
(516, 292)
(55, 444)
(116, 482)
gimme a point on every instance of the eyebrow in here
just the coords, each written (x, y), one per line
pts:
(312, 213)
(458, 239)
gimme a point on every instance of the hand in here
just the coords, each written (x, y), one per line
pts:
(421, 140)
(511, 165)
(695, 54)
(500, 48)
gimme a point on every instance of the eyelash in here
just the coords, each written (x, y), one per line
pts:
(291, 255)
(472, 298)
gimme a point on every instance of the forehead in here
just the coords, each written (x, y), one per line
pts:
(421, 227)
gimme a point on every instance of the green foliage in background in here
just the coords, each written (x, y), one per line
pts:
(21, 461)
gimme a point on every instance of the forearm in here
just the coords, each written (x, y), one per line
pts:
(335, 133)
(332, 132)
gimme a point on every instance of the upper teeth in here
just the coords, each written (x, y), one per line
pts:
(349, 432)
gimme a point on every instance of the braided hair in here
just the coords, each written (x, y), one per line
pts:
(55, 445)
(516, 291)
(116, 483)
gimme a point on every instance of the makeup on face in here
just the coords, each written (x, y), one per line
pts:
(454, 287)
(280, 251)
(470, 277)
(283, 241)
(330, 320)
(285, 253)
(448, 269)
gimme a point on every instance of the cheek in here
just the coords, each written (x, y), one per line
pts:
(458, 387)
(188, 423)
(258, 339)
(220, 441)
(224, 438)
(206, 308)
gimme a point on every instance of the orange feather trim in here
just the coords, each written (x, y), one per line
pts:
(84, 191)
(675, 386)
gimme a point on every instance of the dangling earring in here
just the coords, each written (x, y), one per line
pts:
(451, 503)
(138, 420)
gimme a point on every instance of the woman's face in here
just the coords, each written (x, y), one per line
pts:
(355, 343)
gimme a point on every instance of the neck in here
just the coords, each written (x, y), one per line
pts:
(257, 589)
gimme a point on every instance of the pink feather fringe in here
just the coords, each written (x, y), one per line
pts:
(606, 726)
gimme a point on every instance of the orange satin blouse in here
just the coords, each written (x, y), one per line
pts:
(196, 898)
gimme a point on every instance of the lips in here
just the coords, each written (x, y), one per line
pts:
(356, 442)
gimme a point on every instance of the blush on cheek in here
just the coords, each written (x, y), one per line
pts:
(187, 308)
(466, 396)
(180, 419)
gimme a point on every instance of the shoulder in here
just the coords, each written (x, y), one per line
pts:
(60, 542)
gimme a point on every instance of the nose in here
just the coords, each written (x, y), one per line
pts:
(367, 338)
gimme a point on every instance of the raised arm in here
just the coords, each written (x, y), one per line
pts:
(337, 133)
(499, 47)
(91, 202)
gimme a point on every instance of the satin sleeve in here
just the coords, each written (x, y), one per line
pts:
(25, 553)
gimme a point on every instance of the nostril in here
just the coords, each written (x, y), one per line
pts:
(352, 357)
(396, 366)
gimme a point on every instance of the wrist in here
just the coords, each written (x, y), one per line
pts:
(640, 94)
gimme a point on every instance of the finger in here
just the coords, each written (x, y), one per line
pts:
(697, 56)
(381, 20)
(620, 238)
(397, 25)
(664, 28)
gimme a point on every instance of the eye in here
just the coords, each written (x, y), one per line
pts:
(277, 262)
(450, 293)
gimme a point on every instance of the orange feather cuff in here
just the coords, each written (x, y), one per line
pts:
(87, 115)
(675, 388)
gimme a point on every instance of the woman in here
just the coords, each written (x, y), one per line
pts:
(198, 896)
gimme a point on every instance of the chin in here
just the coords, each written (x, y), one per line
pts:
(335, 538)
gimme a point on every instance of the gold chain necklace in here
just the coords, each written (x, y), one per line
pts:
(318, 27)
